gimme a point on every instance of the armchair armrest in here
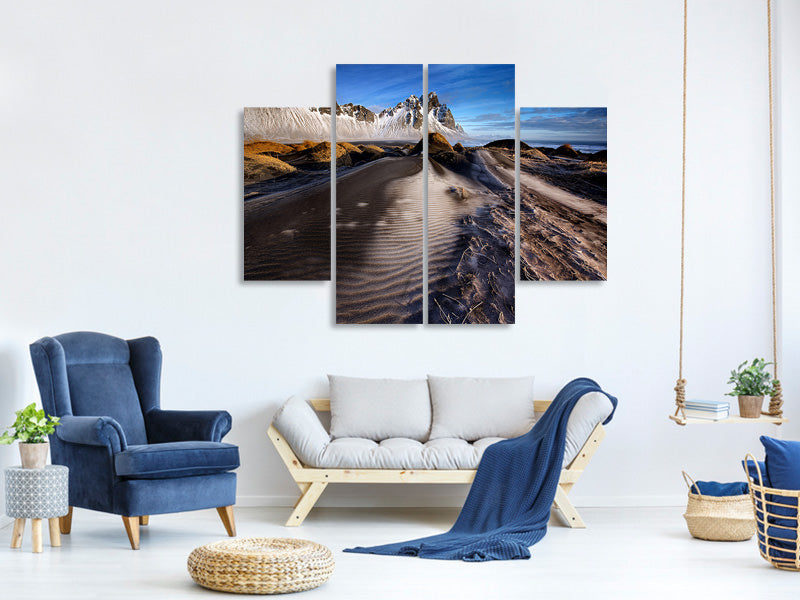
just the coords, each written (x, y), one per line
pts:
(302, 429)
(186, 425)
(92, 431)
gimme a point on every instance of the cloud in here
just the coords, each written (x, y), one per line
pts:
(589, 123)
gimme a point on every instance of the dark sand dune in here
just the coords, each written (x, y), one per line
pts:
(379, 242)
(562, 220)
(287, 234)
(471, 237)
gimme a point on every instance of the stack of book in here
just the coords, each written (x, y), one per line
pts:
(702, 409)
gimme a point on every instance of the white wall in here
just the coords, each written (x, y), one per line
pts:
(120, 175)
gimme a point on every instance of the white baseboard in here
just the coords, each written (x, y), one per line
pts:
(447, 501)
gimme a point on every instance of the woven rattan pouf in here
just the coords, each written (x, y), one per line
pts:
(261, 565)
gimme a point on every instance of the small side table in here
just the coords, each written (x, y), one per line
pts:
(37, 494)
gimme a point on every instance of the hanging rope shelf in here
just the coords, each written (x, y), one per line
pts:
(775, 412)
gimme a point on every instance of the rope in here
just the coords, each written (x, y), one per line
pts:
(776, 403)
(680, 385)
(777, 392)
(680, 402)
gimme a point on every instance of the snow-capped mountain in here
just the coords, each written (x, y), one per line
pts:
(287, 124)
(402, 121)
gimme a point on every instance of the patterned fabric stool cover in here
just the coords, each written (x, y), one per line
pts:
(261, 565)
(37, 493)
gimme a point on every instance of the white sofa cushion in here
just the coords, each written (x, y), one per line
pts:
(302, 429)
(471, 408)
(378, 409)
(591, 410)
(403, 453)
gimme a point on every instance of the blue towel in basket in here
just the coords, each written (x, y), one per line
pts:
(508, 505)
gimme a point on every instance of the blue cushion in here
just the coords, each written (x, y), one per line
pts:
(783, 463)
(176, 459)
(714, 488)
(782, 472)
(753, 472)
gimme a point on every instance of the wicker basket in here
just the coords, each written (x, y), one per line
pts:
(777, 522)
(261, 565)
(719, 518)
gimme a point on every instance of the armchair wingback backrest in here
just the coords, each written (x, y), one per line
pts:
(93, 374)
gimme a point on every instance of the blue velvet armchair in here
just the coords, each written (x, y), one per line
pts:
(125, 455)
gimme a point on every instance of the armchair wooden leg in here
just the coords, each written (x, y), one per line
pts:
(568, 511)
(65, 522)
(144, 520)
(226, 514)
(132, 529)
(306, 503)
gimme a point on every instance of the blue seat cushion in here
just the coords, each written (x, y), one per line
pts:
(176, 459)
(717, 489)
(781, 470)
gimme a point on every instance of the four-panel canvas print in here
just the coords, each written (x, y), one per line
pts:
(398, 141)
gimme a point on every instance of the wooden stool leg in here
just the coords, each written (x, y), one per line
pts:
(144, 520)
(65, 522)
(132, 528)
(37, 534)
(16, 535)
(55, 533)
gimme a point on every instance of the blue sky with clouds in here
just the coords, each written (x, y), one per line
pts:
(549, 126)
(377, 86)
(481, 97)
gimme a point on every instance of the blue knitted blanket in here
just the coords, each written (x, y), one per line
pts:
(508, 505)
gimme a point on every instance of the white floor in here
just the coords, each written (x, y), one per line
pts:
(624, 553)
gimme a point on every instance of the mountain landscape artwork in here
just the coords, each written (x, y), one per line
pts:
(287, 193)
(471, 181)
(383, 168)
(379, 193)
(563, 164)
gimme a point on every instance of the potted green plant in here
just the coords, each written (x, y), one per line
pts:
(31, 430)
(751, 382)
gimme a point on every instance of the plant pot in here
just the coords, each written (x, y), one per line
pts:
(750, 406)
(34, 456)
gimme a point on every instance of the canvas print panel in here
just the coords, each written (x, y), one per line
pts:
(471, 179)
(379, 194)
(563, 194)
(287, 193)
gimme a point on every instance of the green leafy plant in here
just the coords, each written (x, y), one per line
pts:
(31, 427)
(751, 379)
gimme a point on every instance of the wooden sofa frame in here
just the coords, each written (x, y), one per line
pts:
(312, 481)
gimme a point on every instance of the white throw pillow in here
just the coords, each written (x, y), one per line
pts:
(471, 408)
(378, 409)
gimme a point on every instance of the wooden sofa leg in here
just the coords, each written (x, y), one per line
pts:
(306, 503)
(132, 529)
(226, 514)
(144, 520)
(65, 522)
(568, 511)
